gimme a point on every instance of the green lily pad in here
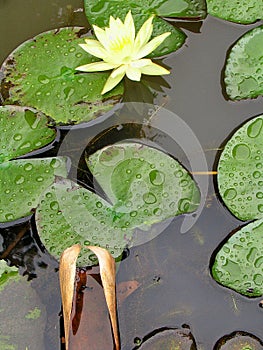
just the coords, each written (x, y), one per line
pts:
(244, 66)
(23, 316)
(244, 11)
(99, 11)
(240, 171)
(41, 74)
(239, 341)
(22, 130)
(22, 181)
(172, 339)
(143, 182)
(69, 214)
(238, 264)
(7, 274)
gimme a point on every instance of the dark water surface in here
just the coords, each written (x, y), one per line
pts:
(176, 287)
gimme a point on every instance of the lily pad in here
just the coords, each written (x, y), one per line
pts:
(244, 66)
(68, 214)
(22, 181)
(239, 341)
(99, 11)
(244, 11)
(7, 274)
(238, 264)
(21, 327)
(240, 171)
(41, 74)
(173, 339)
(143, 182)
(22, 130)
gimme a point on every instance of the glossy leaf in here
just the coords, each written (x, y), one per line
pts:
(40, 73)
(99, 11)
(239, 341)
(22, 130)
(144, 183)
(240, 171)
(238, 263)
(78, 217)
(244, 66)
(244, 11)
(22, 181)
(174, 339)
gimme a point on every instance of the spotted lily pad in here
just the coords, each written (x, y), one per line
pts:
(68, 214)
(7, 274)
(239, 11)
(238, 264)
(240, 171)
(41, 74)
(239, 341)
(99, 11)
(143, 182)
(22, 130)
(244, 66)
(22, 181)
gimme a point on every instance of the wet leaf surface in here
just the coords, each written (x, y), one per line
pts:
(238, 263)
(240, 171)
(146, 193)
(244, 11)
(172, 339)
(244, 65)
(98, 12)
(22, 181)
(25, 329)
(68, 214)
(239, 341)
(22, 130)
(40, 73)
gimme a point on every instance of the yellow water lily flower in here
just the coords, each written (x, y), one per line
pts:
(122, 51)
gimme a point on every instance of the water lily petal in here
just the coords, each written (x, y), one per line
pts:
(143, 35)
(133, 73)
(94, 48)
(141, 63)
(101, 36)
(112, 81)
(129, 24)
(151, 46)
(96, 67)
(154, 69)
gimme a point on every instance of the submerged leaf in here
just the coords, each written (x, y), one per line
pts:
(238, 263)
(143, 183)
(40, 73)
(23, 130)
(98, 12)
(78, 216)
(22, 181)
(67, 272)
(244, 66)
(239, 341)
(240, 170)
(174, 339)
(108, 278)
(239, 11)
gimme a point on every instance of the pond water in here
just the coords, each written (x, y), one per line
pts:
(176, 287)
